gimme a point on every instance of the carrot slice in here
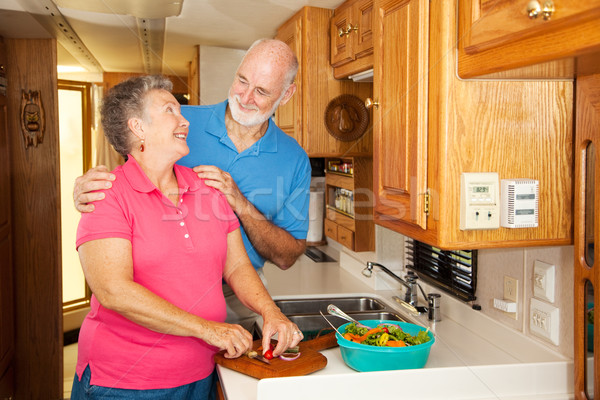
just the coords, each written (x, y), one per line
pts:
(370, 332)
(395, 343)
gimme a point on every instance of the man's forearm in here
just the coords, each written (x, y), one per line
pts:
(272, 242)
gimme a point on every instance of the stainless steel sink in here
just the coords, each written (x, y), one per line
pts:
(314, 325)
(313, 306)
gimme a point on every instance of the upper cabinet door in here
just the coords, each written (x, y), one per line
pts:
(500, 35)
(351, 36)
(363, 14)
(289, 116)
(400, 118)
(341, 38)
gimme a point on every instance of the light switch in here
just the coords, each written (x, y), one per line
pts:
(544, 281)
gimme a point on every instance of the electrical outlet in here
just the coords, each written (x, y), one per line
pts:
(544, 320)
(510, 289)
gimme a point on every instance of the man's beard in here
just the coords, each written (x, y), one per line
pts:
(252, 119)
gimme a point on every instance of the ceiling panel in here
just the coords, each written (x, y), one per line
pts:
(113, 40)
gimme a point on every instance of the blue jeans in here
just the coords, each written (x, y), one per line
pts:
(199, 390)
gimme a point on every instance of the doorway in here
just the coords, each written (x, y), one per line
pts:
(75, 125)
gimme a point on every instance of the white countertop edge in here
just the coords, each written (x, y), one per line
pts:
(516, 381)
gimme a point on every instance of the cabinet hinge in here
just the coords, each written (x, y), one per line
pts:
(426, 198)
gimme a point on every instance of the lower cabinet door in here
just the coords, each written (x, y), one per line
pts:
(345, 237)
(331, 229)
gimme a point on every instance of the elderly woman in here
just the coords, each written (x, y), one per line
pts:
(154, 254)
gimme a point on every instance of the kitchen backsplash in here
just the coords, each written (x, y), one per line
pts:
(493, 265)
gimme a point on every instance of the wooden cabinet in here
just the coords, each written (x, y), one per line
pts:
(307, 33)
(351, 35)
(430, 126)
(400, 120)
(500, 35)
(6, 266)
(349, 202)
(289, 116)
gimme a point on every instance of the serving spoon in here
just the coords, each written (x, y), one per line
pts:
(334, 310)
(330, 324)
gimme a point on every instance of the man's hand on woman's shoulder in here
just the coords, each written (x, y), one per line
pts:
(86, 187)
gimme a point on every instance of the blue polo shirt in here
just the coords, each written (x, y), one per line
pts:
(273, 174)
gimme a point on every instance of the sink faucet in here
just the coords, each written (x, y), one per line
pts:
(411, 295)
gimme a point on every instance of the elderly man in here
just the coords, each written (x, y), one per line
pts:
(239, 150)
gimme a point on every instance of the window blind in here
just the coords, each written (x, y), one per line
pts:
(454, 271)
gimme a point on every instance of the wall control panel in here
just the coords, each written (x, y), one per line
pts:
(520, 201)
(479, 200)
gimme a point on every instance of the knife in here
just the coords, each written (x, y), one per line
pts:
(253, 354)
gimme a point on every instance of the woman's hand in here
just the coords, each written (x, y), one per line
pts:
(234, 339)
(288, 334)
(86, 186)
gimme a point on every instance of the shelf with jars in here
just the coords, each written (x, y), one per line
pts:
(349, 202)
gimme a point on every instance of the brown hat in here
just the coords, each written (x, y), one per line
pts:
(346, 118)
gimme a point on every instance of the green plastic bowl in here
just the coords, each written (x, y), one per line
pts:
(364, 358)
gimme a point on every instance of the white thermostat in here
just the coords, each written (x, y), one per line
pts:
(479, 200)
(520, 201)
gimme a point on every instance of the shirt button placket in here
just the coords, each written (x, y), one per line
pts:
(183, 225)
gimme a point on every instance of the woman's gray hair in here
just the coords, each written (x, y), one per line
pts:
(125, 101)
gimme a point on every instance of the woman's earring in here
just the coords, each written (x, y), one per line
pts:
(142, 146)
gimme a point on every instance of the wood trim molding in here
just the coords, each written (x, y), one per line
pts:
(587, 122)
(35, 205)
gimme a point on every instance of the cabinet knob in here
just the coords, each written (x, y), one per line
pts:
(349, 28)
(534, 9)
(370, 103)
(548, 10)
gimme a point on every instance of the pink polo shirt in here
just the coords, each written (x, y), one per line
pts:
(179, 254)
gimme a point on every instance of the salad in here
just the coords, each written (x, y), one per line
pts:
(389, 335)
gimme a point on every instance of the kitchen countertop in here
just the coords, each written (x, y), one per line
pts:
(474, 357)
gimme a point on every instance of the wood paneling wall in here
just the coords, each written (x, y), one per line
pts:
(35, 199)
(194, 78)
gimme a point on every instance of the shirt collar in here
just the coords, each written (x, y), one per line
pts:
(186, 178)
(216, 127)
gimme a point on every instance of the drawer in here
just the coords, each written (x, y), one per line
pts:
(331, 229)
(345, 237)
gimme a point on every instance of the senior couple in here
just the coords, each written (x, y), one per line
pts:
(157, 239)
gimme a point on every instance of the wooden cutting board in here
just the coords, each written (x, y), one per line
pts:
(310, 360)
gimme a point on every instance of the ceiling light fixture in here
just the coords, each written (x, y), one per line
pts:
(69, 69)
(153, 9)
